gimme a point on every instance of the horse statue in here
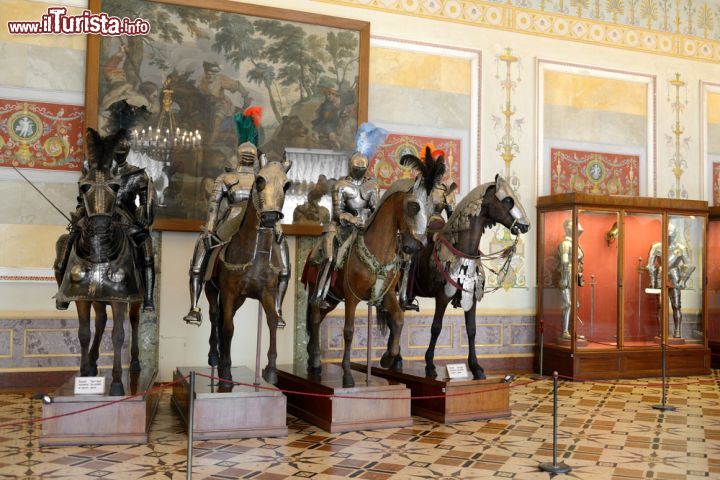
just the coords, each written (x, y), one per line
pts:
(249, 266)
(370, 270)
(449, 267)
(102, 268)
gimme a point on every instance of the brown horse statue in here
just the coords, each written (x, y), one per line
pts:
(249, 267)
(102, 267)
(370, 271)
(449, 267)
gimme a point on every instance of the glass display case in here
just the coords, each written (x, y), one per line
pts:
(618, 277)
(713, 285)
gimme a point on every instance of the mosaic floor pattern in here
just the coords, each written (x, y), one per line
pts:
(605, 432)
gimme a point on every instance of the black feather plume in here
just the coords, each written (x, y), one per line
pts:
(430, 168)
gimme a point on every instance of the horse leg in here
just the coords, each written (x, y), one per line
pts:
(212, 294)
(475, 368)
(119, 310)
(441, 303)
(134, 347)
(394, 317)
(83, 309)
(314, 318)
(228, 303)
(100, 322)
(348, 332)
(272, 317)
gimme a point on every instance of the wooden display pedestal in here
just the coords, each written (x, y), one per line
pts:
(230, 412)
(489, 399)
(121, 423)
(345, 414)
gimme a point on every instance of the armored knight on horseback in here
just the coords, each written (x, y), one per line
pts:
(354, 197)
(441, 198)
(135, 197)
(226, 210)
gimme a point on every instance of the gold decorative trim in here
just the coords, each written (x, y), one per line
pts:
(68, 368)
(513, 344)
(427, 327)
(451, 312)
(502, 336)
(10, 355)
(550, 25)
(52, 355)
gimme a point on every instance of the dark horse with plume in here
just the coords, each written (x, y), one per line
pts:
(102, 269)
(249, 267)
(449, 267)
(370, 271)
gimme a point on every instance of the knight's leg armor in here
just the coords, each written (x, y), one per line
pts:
(674, 294)
(325, 272)
(283, 281)
(566, 303)
(149, 275)
(61, 261)
(198, 266)
(406, 301)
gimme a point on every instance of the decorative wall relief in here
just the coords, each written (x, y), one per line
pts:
(676, 142)
(41, 135)
(594, 172)
(508, 146)
(386, 164)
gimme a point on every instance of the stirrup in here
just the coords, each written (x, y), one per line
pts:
(61, 305)
(281, 323)
(149, 306)
(194, 317)
(410, 305)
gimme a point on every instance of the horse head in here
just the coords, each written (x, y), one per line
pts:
(504, 207)
(98, 186)
(271, 184)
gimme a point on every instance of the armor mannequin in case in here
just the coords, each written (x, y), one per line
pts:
(564, 271)
(679, 271)
(354, 199)
(233, 186)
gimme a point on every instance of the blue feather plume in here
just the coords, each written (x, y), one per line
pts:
(369, 138)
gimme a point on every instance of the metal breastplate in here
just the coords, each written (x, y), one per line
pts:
(352, 200)
(238, 187)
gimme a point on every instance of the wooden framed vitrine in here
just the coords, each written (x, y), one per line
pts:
(617, 277)
(713, 284)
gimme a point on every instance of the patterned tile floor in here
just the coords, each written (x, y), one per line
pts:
(605, 432)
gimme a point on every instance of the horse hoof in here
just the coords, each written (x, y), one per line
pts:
(397, 364)
(348, 381)
(225, 376)
(430, 372)
(314, 371)
(117, 389)
(92, 371)
(135, 366)
(213, 359)
(386, 360)
(270, 375)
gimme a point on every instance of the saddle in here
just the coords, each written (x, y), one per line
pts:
(311, 271)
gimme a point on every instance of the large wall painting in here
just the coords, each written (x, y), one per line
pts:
(385, 166)
(716, 184)
(594, 172)
(39, 135)
(200, 66)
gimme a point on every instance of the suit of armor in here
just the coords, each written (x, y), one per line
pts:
(679, 271)
(233, 187)
(442, 199)
(565, 279)
(135, 197)
(354, 199)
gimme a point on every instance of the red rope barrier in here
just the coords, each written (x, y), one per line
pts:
(95, 407)
(351, 397)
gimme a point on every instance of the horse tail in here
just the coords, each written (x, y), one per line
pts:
(382, 319)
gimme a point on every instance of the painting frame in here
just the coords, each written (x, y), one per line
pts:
(362, 28)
